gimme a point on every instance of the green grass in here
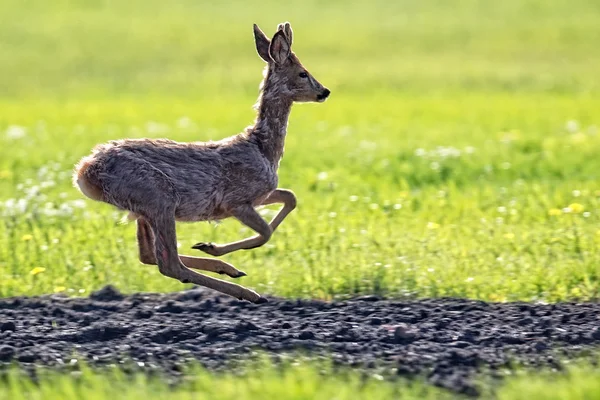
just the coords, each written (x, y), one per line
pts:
(374, 215)
(580, 382)
(294, 382)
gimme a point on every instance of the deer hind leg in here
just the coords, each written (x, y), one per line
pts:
(211, 265)
(249, 217)
(145, 238)
(169, 263)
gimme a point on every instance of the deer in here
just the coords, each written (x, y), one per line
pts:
(160, 181)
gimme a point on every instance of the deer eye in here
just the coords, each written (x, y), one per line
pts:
(303, 75)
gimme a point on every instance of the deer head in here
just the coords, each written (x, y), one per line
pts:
(286, 76)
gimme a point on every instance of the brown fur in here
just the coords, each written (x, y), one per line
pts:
(161, 181)
(89, 189)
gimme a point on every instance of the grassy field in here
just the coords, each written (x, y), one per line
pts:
(294, 382)
(457, 155)
(300, 382)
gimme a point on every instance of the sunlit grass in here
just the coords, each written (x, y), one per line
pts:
(296, 382)
(444, 204)
(579, 382)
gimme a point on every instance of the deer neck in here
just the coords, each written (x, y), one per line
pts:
(270, 128)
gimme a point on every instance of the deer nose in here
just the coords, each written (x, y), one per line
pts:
(324, 94)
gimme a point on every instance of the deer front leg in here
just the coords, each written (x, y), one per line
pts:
(170, 265)
(249, 217)
(145, 238)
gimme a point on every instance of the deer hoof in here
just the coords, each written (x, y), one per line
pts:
(209, 248)
(237, 274)
(261, 300)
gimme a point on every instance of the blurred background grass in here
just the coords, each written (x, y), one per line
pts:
(456, 156)
(202, 49)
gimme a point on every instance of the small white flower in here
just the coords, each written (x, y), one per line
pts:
(65, 210)
(321, 176)
(43, 171)
(15, 132)
(346, 130)
(21, 205)
(267, 212)
(156, 128)
(572, 126)
(184, 122)
(79, 203)
(367, 145)
(47, 184)
(446, 152)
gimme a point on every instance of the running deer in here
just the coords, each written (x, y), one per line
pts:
(162, 181)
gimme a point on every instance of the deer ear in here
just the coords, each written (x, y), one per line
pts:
(287, 29)
(262, 44)
(279, 48)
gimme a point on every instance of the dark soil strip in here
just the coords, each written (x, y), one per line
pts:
(446, 340)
